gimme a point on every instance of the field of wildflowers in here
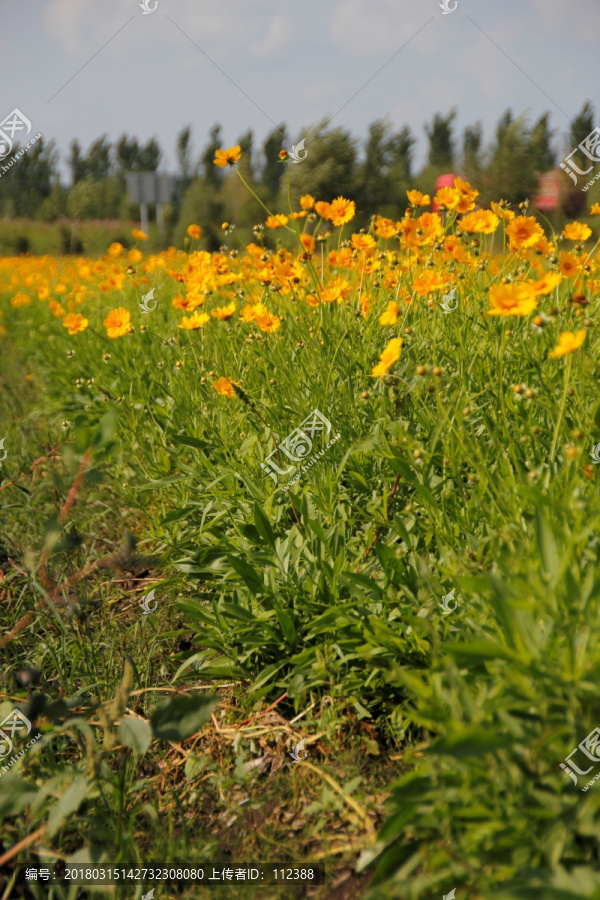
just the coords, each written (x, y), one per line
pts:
(439, 377)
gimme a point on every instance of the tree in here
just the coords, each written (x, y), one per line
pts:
(127, 154)
(441, 144)
(400, 147)
(184, 156)
(510, 170)
(97, 160)
(149, 156)
(272, 169)
(212, 174)
(373, 181)
(544, 157)
(76, 162)
(330, 166)
(30, 179)
(471, 152)
(582, 125)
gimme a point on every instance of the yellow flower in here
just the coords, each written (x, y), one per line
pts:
(189, 303)
(276, 221)
(595, 210)
(390, 355)
(225, 387)
(115, 250)
(567, 343)
(523, 232)
(266, 321)
(416, 198)
(503, 212)
(194, 231)
(322, 209)
(224, 312)
(390, 316)
(75, 322)
(384, 228)
(362, 242)
(308, 242)
(307, 201)
(576, 231)
(56, 309)
(135, 255)
(484, 221)
(195, 321)
(428, 282)
(569, 264)
(467, 196)
(341, 211)
(300, 215)
(20, 299)
(117, 322)
(448, 197)
(227, 157)
(511, 299)
(139, 235)
(546, 284)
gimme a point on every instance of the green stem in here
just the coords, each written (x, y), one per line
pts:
(561, 412)
(257, 198)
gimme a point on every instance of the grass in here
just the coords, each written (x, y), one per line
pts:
(434, 741)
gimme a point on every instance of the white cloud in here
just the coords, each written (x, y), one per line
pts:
(276, 38)
(578, 18)
(365, 27)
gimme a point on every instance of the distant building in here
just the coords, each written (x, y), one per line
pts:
(549, 191)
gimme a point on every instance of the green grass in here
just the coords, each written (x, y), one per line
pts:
(328, 595)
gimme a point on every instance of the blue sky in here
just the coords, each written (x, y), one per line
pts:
(291, 60)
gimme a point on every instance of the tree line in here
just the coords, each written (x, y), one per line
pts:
(374, 172)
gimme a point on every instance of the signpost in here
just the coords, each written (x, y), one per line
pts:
(149, 187)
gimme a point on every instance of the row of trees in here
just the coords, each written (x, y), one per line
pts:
(375, 172)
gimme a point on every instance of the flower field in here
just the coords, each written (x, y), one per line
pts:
(312, 440)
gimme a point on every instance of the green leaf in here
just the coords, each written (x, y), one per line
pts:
(107, 427)
(189, 441)
(263, 525)
(179, 717)
(247, 573)
(471, 742)
(546, 544)
(135, 733)
(68, 803)
(266, 676)
(177, 514)
(287, 626)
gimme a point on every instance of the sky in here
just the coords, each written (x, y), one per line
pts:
(82, 68)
